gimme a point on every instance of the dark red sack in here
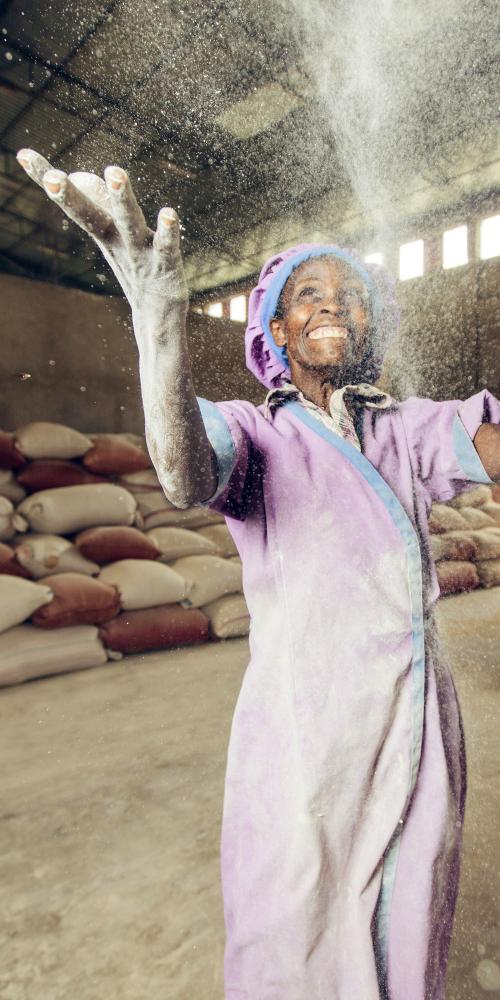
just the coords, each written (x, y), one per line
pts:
(10, 456)
(49, 474)
(155, 628)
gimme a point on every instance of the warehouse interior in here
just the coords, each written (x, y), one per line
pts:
(264, 124)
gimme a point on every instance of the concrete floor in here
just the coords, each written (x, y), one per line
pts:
(111, 790)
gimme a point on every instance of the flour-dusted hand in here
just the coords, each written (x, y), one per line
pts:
(148, 265)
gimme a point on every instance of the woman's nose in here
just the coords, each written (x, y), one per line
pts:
(331, 304)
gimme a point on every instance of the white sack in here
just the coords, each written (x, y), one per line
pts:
(143, 481)
(44, 555)
(69, 509)
(477, 517)
(228, 616)
(447, 518)
(152, 501)
(194, 517)
(489, 572)
(144, 583)
(488, 543)
(9, 486)
(221, 537)
(208, 577)
(27, 652)
(10, 520)
(176, 542)
(135, 439)
(493, 511)
(474, 497)
(42, 439)
(19, 599)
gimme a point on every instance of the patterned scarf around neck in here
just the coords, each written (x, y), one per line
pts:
(344, 407)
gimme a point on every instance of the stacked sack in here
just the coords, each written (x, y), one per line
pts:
(96, 563)
(465, 540)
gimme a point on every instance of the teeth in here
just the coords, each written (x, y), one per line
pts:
(337, 332)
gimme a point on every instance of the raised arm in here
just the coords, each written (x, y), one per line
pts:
(148, 266)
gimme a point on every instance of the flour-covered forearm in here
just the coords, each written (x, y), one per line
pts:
(181, 453)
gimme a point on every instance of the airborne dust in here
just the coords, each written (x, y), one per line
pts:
(393, 102)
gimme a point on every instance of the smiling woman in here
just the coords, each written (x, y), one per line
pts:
(325, 325)
(345, 784)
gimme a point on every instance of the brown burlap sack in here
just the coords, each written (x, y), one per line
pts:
(454, 577)
(78, 600)
(155, 628)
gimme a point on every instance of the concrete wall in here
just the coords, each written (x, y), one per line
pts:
(70, 356)
(449, 341)
(80, 355)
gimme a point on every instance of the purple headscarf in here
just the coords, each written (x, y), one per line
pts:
(264, 358)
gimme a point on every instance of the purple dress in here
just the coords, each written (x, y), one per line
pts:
(345, 778)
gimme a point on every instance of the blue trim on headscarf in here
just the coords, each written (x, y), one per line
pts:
(283, 272)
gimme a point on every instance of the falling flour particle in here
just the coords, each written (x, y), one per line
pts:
(488, 975)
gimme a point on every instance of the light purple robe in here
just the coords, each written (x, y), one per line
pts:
(345, 778)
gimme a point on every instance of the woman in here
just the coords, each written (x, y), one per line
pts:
(345, 782)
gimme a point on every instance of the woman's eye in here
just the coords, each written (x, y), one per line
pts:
(354, 294)
(307, 292)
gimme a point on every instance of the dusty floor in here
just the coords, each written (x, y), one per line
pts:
(111, 790)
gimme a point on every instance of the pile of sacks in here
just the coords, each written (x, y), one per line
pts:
(465, 540)
(96, 563)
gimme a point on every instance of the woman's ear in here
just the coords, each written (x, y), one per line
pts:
(278, 332)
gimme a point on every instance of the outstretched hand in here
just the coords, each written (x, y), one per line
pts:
(147, 264)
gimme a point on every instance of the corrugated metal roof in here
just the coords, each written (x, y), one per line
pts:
(89, 82)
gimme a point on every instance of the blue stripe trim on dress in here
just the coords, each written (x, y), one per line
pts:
(414, 566)
(219, 435)
(466, 454)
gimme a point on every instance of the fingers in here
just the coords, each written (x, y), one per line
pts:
(94, 187)
(127, 214)
(34, 164)
(80, 196)
(78, 206)
(166, 240)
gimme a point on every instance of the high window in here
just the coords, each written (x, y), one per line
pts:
(411, 260)
(375, 258)
(455, 250)
(489, 237)
(238, 308)
(214, 309)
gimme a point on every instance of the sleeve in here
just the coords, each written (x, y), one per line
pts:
(440, 439)
(227, 431)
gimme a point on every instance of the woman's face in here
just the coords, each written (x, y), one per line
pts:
(326, 316)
